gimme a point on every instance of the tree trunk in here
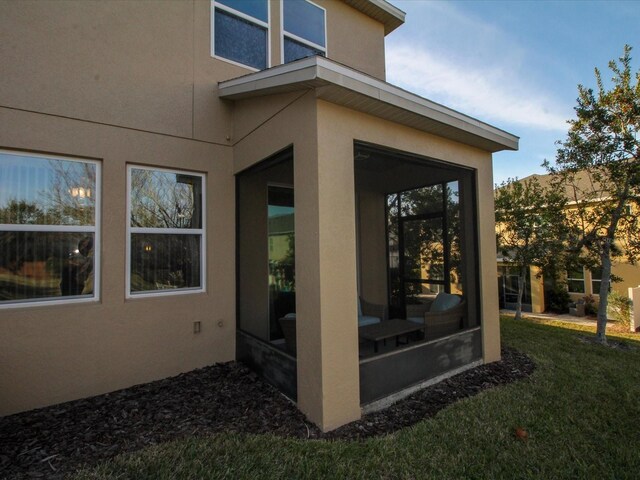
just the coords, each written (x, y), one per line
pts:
(521, 282)
(605, 281)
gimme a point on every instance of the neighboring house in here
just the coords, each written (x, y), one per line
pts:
(144, 147)
(581, 282)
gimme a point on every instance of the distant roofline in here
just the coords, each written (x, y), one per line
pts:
(343, 85)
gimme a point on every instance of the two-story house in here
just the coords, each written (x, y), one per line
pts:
(580, 281)
(177, 176)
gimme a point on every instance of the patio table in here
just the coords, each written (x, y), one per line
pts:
(388, 329)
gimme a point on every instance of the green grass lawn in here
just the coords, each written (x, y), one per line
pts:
(580, 408)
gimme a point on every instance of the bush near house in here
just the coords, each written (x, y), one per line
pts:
(620, 308)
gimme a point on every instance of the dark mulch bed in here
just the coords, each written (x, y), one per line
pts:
(52, 441)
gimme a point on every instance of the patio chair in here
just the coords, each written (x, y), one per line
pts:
(443, 316)
(288, 326)
(370, 313)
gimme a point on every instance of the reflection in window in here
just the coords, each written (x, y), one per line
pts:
(596, 280)
(575, 280)
(48, 228)
(424, 249)
(304, 30)
(166, 231)
(240, 31)
(295, 50)
(281, 233)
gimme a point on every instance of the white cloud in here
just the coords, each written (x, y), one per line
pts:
(493, 93)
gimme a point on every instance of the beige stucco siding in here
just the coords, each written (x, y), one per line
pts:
(354, 39)
(145, 65)
(52, 354)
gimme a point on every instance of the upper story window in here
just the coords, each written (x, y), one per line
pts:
(241, 31)
(304, 30)
(49, 229)
(166, 232)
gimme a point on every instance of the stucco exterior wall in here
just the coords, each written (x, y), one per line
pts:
(145, 65)
(51, 354)
(630, 275)
(134, 83)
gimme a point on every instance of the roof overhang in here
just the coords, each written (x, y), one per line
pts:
(344, 86)
(381, 10)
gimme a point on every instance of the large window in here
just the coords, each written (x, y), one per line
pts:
(281, 233)
(240, 31)
(166, 231)
(423, 232)
(304, 32)
(596, 280)
(49, 229)
(575, 280)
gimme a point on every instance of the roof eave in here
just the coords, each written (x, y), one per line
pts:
(386, 13)
(342, 85)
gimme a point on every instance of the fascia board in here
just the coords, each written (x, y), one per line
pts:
(314, 72)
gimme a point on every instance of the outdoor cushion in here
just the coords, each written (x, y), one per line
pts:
(364, 320)
(416, 319)
(444, 302)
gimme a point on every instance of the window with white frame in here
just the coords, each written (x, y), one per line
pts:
(166, 231)
(575, 280)
(49, 229)
(596, 280)
(303, 29)
(240, 31)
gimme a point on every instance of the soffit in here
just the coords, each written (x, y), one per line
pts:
(344, 86)
(390, 16)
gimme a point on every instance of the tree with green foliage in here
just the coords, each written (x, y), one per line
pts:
(530, 226)
(598, 164)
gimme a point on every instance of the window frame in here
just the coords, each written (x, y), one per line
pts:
(573, 279)
(95, 230)
(215, 5)
(202, 231)
(284, 34)
(595, 280)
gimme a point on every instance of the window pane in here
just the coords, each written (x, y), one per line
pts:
(43, 191)
(596, 280)
(45, 265)
(240, 40)
(295, 50)
(578, 273)
(165, 200)
(160, 262)
(304, 20)
(576, 286)
(254, 8)
(453, 238)
(423, 249)
(281, 238)
(422, 201)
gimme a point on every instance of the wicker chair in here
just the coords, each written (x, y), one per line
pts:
(369, 313)
(438, 323)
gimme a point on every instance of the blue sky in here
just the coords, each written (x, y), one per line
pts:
(513, 64)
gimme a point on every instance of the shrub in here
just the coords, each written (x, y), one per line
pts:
(620, 308)
(558, 299)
